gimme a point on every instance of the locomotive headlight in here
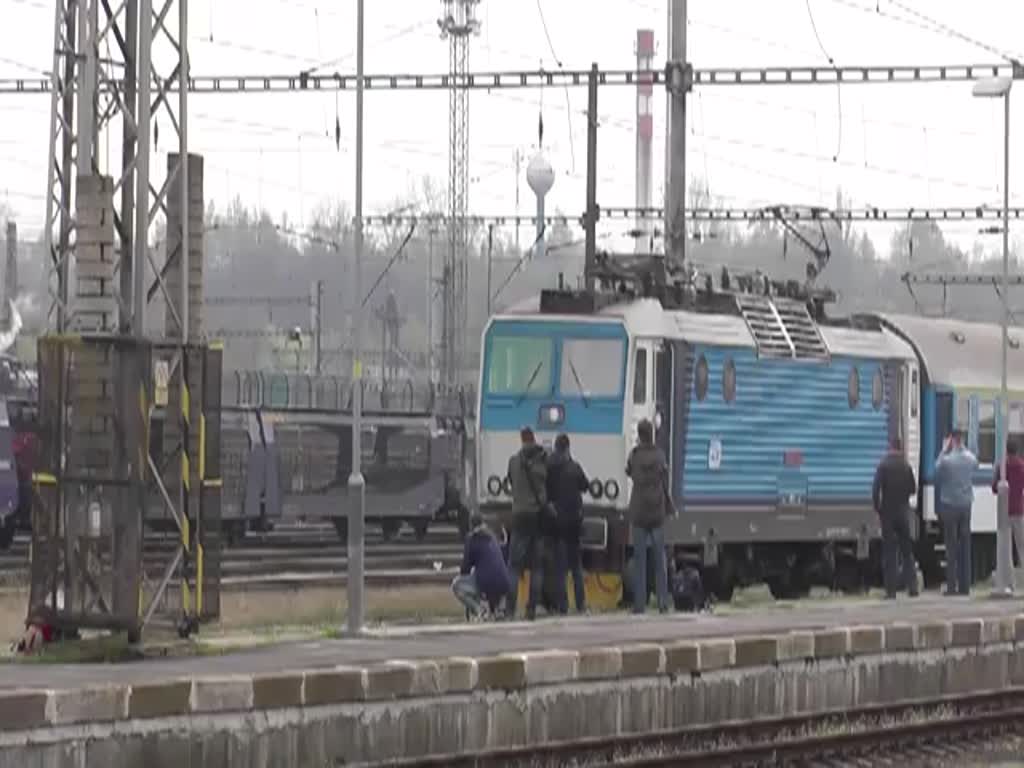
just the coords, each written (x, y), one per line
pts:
(506, 486)
(494, 485)
(596, 489)
(611, 490)
(551, 415)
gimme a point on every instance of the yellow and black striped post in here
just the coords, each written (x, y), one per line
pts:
(186, 533)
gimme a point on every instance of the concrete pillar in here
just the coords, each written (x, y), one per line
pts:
(94, 305)
(195, 254)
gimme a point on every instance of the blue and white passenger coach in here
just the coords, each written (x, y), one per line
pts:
(773, 422)
(960, 387)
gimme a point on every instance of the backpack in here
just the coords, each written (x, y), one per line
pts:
(688, 590)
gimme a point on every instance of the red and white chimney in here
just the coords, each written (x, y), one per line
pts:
(644, 133)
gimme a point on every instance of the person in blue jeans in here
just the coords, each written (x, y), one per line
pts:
(954, 478)
(649, 507)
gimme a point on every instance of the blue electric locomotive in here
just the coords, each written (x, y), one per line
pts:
(773, 418)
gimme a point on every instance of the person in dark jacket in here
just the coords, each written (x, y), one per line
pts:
(566, 483)
(891, 491)
(648, 508)
(528, 473)
(1015, 479)
(483, 580)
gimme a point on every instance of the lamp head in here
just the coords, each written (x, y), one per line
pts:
(992, 87)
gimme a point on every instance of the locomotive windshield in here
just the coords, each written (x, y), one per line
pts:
(592, 367)
(520, 365)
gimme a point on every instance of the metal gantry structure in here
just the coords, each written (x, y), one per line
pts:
(458, 24)
(120, 69)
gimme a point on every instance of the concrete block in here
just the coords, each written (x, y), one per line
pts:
(756, 651)
(717, 654)
(796, 646)
(934, 635)
(865, 641)
(389, 681)
(426, 677)
(831, 643)
(458, 674)
(165, 699)
(547, 667)
(998, 630)
(222, 694)
(1018, 628)
(682, 657)
(900, 637)
(502, 673)
(89, 705)
(333, 686)
(966, 632)
(277, 691)
(642, 660)
(599, 664)
(21, 710)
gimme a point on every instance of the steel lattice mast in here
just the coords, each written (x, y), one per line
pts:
(458, 21)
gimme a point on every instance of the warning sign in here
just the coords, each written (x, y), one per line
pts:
(161, 378)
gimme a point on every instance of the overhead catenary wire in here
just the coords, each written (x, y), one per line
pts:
(558, 63)
(391, 262)
(839, 87)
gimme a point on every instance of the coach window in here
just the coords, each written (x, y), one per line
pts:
(853, 388)
(700, 379)
(640, 377)
(915, 394)
(986, 432)
(1016, 426)
(729, 381)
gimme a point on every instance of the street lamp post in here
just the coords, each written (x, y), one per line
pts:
(356, 482)
(999, 88)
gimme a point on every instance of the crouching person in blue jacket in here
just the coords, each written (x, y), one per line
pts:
(484, 580)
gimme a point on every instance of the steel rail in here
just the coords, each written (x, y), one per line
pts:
(760, 739)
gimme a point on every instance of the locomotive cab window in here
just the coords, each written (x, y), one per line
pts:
(700, 379)
(640, 377)
(853, 388)
(986, 432)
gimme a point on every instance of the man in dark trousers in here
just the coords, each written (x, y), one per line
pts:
(528, 473)
(648, 509)
(566, 483)
(894, 485)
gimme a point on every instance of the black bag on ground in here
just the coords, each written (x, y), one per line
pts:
(688, 590)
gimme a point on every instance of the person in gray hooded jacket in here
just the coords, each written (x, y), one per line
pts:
(528, 473)
(649, 506)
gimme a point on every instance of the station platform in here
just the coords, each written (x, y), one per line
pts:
(568, 633)
(400, 693)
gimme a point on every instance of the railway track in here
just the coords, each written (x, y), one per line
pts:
(928, 730)
(299, 554)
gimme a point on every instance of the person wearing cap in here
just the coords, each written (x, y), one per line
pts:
(483, 580)
(954, 477)
(648, 508)
(528, 473)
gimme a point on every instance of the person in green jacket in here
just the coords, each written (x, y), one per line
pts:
(528, 473)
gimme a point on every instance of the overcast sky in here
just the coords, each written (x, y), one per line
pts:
(886, 145)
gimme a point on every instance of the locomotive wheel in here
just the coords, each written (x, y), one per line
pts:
(420, 529)
(389, 529)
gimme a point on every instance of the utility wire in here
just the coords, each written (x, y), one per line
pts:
(391, 262)
(558, 63)
(839, 88)
(519, 264)
(954, 33)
